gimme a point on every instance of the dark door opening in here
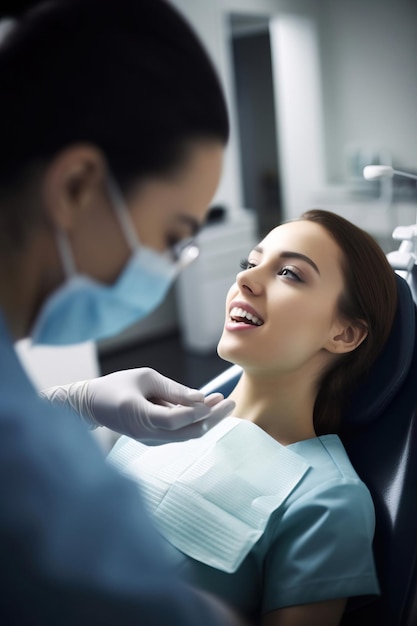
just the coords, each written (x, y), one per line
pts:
(254, 96)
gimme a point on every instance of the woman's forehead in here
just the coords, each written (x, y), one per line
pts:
(308, 239)
(301, 236)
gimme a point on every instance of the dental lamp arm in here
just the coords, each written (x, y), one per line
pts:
(142, 404)
(375, 172)
(405, 258)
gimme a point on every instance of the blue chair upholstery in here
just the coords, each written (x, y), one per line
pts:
(379, 431)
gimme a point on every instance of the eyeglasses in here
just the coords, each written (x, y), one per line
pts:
(184, 252)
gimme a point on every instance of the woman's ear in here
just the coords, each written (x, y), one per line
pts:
(348, 337)
(73, 182)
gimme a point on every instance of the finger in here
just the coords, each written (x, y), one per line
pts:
(169, 390)
(193, 431)
(222, 409)
(209, 401)
(213, 399)
(175, 417)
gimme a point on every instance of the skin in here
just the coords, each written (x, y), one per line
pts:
(316, 614)
(71, 195)
(302, 334)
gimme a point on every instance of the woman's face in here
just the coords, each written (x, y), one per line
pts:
(166, 211)
(163, 210)
(290, 290)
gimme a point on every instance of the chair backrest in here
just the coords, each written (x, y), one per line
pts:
(380, 436)
(379, 431)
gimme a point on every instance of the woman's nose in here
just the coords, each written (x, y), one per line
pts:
(248, 280)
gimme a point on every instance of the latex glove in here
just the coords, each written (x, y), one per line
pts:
(143, 404)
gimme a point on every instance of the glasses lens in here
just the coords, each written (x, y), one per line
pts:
(185, 252)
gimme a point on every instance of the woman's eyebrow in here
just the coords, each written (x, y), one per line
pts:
(288, 254)
(303, 257)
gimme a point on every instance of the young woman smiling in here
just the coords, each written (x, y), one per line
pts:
(266, 510)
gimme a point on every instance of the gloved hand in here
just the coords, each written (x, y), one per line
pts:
(143, 404)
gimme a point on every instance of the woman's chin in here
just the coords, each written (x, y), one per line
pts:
(223, 352)
(230, 353)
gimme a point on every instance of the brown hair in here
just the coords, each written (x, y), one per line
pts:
(370, 296)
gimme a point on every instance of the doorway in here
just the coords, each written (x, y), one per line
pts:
(256, 118)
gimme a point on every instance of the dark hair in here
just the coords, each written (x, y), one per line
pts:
(129, 76)
(370, 297)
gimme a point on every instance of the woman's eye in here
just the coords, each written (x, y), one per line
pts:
(245, 264)
(290, 273)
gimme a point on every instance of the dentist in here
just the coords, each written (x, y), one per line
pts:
(113, 132)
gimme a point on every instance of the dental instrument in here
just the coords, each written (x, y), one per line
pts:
(404, 259)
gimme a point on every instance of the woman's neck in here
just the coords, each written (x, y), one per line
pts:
(282, 405)
(23, 284)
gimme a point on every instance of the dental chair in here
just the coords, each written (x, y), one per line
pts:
(379, 431)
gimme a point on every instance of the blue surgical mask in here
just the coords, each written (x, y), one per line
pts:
(83, 309)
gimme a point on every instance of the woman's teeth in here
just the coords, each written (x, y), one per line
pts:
(240, 315)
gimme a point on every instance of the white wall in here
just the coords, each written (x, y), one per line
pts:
(207, 20)
(368, 68)
(298, 89)
(369, 64)
(210, 20)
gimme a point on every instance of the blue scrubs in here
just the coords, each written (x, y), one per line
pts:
(316, 544)
(76, 545)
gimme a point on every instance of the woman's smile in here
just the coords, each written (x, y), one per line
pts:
(243, 316)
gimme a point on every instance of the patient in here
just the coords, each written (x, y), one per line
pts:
(265, 510)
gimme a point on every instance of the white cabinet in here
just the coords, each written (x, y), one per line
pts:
(202, 287)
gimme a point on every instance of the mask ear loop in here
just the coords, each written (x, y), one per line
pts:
(126, 224)
(67, 258)
(122, 214)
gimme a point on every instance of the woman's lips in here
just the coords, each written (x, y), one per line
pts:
(236, 326)
(243, 316)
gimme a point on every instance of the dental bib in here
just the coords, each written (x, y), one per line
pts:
(212, 497)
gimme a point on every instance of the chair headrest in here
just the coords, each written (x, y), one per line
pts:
(391, 367)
